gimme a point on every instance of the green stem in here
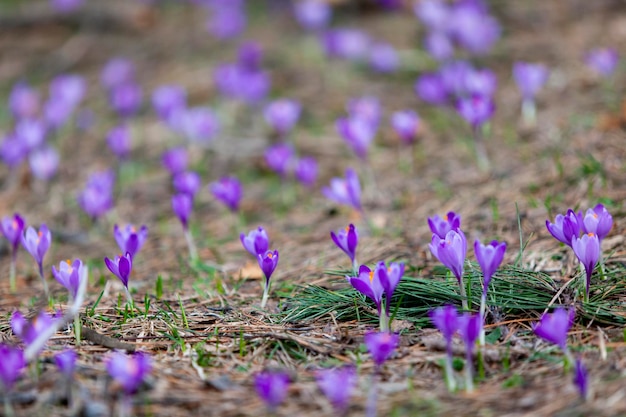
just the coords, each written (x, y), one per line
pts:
(266, 294)
(193, 252)
(12, 275)
(77, 329)
(469, 372)
(463, 295)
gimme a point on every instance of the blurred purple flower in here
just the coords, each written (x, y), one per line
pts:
(227, 21)
(489, 258)
(597, 220)
(56, 113)
(475, 30)
(312, 14)
(199, 124)
(431, 89)
(587, 250)
(279, 158)
(480, 82)
(529, 78)
(358, 134)
(368, 284)
(182, 204)
(11, 228)
(272, 388)
(306, 171)
(381, 345)
(31, 132)
(236, 82)
(167, 100)
(383, 58)
(250, 56)
(441, 226)
(228, 190)
(187, 182)
(604, 61)
(345, 191)
(566, 227)
(66, 6)
(451, 251)
(37, 244)
(119, 141)
(347, 240)
(476, 110)
(129, 239)
(446, 320)
(11, 364)
(406, 124)
(367, 108)
(470, 328)
(12, 151)
(553, 327)
(282, 115)
(125, 99)
(439, 45)
(70, 275)
(24, 101)
(175, 160)
(30, 330)
(337, 385)
(389, 278)
(129, 371)
(97, 196)
(435, 14)
(68, 88)
(580, 379)
(350, 44)
(256, 242)
(44, 163)
(121, 266)
(117, 71)
(66, 362)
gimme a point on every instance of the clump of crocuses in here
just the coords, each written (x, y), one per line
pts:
(374, 284)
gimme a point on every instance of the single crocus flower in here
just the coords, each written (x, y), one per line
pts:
(129, 371)
(24, 101)
(282, 115)
(267, 262)
(345, 191)
(451, 252)
(381, 345)
(279, 158)
(597, 220)
(272, 388)
(587, 249)
(470, 328)
(37, 244)
(337, 385)
(97, 197)
(565, 227)
(406, 124)
(228, 190)
(530, 78)
(227, 21)
(474, 29)
(129, 239)
(256, 242)
(602, 60)
(70, 275)
(580, 379)
(12, 228)
(347, 240)
(30, 331)
(442, 225)
(11, 364)
(383, 58)
(182, 204)
(121, 267)
(344, 43)
(198, 124)
(446, 320)
(44, 163)
(119, 141)
(489, 258)
(312, 14)
(168, 100)
(358, 133)
(431, 89)
(126, 99)
(66, 362)
(187, 182)
(476, 110)
(306, 171)
(553, 327)
(175, 160)
(368, 284)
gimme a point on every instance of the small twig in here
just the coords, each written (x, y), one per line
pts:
(106, 341)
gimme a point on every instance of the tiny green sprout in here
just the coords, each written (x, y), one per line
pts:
(183, 313)
(159, 287)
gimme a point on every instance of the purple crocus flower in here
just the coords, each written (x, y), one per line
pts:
(129, 239)
(553, 327)
(182, 204)
(580, 379)
(11, 364)
(312, 14)
(345, 191)
(337, 385)
(29, 331)
(282, 115)
(268, 262)
(446, 320)
(566, 226)
(68, 88)
(228, 190)
(347, 240)
(367, 108)
(12, 151)
(475, 30)
(187, 182)
(480, 82)
(56, 113)
(116, 72)
(250, 56)
(227, 21)
(70, 275)
(279, 158)
(587, 250)
(597, 220)
(199, 124)
(256, 242)
(37, 244)
(476, 110)
(11, 228)
(121, 267)
(168, 100)
(175, 160)
(129, 371)
(358, 133)
(439, 45)
(97, 196)
(272, 388)
(434, 14)
(389, 278)
(350, 44)
(119, 141)
(66, 6)
(406, 125)
(470, 328)
(24, 101)
(381, 345)
(529, 78)
(602, 60)
(489, 258)
(125, 99)
(451, 252)
(383, 58)
(454, 75)
(31, 132)
(368, 284)
(306, 171)
(431, 89)
(66, 362)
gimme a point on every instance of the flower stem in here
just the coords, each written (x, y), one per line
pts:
(450, 383)
(266, 294)
(469, 371)
(383, 320)
(77, 329)
(463, 295)
(372, 399)
(43, 279)
(193, 252)
(8, 409)
(529, 113)
(483, 308)
(12, 273)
